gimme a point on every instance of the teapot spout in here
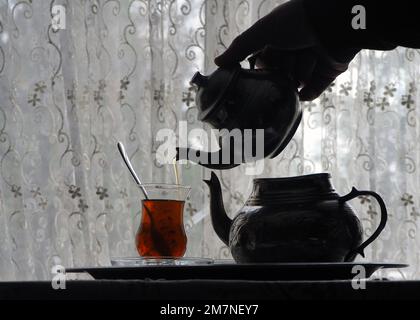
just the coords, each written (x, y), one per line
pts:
(220, 220)
(210, 160)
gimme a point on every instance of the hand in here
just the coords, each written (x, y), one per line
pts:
(285, 40)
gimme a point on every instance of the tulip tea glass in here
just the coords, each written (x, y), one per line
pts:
(161, 232)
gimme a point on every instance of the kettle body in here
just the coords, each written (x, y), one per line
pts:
(262, 105)
(296, 219)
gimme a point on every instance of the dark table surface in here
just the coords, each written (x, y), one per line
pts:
(210, 290)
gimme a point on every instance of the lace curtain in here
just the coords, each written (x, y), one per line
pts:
(119, 71)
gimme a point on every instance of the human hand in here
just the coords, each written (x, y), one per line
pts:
(285, 40)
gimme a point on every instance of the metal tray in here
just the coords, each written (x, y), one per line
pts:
(232, 271)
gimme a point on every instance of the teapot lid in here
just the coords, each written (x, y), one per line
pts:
(208, 100)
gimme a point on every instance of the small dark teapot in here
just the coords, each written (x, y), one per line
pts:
(238, 98)
(297, 219)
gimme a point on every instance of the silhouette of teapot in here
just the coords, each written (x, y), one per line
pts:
(240, 99)
(296, 219)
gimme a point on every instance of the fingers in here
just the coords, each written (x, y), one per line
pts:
(305, 66)
(326, 71)
(310, 69)
(315, 88)
(273, 58)
(299, 64)
(245, 44)
(321, 78)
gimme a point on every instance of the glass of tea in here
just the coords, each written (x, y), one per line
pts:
(161, 232)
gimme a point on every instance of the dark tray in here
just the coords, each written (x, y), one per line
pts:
(261, 271)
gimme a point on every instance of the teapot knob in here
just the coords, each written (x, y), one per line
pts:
(199, 80)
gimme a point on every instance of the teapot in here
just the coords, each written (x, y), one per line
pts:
(238, 98)
(295, 219)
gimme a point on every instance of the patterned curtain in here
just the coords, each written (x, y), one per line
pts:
(119, 70)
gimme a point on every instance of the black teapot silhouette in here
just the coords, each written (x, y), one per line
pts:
(238, 98)
(297, 219)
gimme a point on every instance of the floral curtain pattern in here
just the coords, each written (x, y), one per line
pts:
(120, 71)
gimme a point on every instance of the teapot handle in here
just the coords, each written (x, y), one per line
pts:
(384, 216)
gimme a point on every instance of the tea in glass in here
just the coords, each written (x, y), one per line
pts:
(161, 232)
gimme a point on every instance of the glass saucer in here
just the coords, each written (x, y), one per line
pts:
(147, 261)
